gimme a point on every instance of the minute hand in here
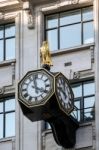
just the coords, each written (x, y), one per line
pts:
(63, 92)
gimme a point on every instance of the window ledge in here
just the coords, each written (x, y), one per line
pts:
(73, 49)
(7, 139)
(7, 62)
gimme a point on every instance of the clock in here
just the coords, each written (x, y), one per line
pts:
(36, 87)
(64, 93)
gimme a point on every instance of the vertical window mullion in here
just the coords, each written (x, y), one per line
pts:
(4, 45)
(58, 31)
(4, 118)
(81, 28)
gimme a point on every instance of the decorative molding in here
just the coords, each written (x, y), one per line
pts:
(31, 15)
(1, 91)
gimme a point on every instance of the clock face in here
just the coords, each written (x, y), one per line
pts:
(64, 94)
(35, 87)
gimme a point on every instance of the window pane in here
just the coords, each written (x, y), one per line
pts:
(1, 126)
(1, 107)
(52, 39)
(10, 124)
(87, 13)
(10, 48)
(77, 104)
(89, 88)
(89, 102)
(89, 115)
(70, 17)
(77, 89)
(1, 50)
(88, 32)
(10, 105)
(70, 36)
(10, 30)
(52, 21)
(1, 32)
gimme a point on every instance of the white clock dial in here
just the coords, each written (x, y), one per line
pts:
(35, 87)
(64, 93)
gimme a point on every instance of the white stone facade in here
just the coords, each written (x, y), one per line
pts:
(29, 36)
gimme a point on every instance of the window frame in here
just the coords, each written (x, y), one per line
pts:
(80, 99)
(4, 113)
(82, 22)
(4, 39)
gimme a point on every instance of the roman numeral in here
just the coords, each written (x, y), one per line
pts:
(25, 95)
(46, 80)
(47, 85)
(30, 98)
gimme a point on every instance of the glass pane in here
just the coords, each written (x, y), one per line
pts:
(1, 126)
(77, 104)
(1, 32)
(76, 115)
(1, 50)
(89, 88)
(52, 21)
(70, 17)
(70, 36)
(9, 30)
(10, 105)
(10, 48)
(1, 107)
(87, 13)
(89, 102)
(52, 39)
(10, 125)
(88, 32)
(89, 116)
(77, 89)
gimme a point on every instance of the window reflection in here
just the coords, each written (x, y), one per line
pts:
(10, 124)
(77, 89)
(1, 107)
(84, 100)
(52, 21)
(10, 105)
(1, 50)
(88, 32)
(10, 49)
(9, 30)
(52, 38)
(1, 32)
(7, 117)
(70, 36)
(7, 42)
(1, 125)
(89, 88)
(74, 28)
(87, 14)
(70, 17)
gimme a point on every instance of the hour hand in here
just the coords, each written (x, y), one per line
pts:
(35, 85)
(61, 89)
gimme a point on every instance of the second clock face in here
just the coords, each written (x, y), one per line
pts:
(64, 93)
(35, 87)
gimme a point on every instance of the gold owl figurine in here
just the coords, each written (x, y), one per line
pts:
(45, 54)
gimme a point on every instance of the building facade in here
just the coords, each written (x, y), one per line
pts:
(72, 29)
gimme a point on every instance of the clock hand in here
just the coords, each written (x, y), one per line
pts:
(63, 92)
(35, 85)
(40, 89)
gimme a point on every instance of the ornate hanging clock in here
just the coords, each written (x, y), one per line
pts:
(44, 95)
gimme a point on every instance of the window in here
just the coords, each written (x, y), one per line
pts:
(7, 42)
(7, 117)
(69, 29)
(84, 94)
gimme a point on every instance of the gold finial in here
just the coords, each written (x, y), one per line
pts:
(45, 54)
